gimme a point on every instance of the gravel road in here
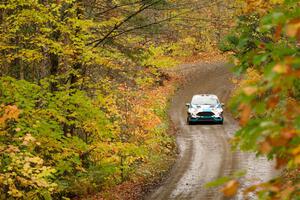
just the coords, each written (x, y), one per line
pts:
(205, 152)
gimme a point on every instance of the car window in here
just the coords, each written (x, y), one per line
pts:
(203, 100)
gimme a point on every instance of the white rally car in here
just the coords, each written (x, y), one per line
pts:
(205, 108)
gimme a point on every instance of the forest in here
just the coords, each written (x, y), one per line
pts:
(84, 90)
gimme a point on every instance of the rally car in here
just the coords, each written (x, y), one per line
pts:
(205, 108)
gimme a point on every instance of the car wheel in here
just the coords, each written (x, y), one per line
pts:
(188, 121)
(221, 122)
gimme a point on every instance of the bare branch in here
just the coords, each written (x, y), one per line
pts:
(118, 25)
(161, 21)
(118, 6)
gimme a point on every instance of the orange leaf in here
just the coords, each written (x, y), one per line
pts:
(278, 141)
(276, 90)
(246, 113)
(273, 101)
(280, 162)
(265, 147)
(250, 189)
(297, 73)
(288, 134)
(230, 188)
(278, 32)
(262, 46)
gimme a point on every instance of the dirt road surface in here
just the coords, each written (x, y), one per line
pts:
(205, 153)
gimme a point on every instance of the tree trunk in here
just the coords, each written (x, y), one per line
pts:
(54, 62)
(22, 73)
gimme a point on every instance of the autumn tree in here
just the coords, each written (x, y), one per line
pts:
(82, 89)
(266, 52)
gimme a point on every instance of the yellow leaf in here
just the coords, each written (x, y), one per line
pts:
(10, 112)
(292, 29)
(297, 160)
(280, 69)
(249, 90)
(296, 150)
(234, 81)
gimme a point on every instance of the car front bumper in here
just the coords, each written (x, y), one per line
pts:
(205, 119)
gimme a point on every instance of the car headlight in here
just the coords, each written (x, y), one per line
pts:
(217, 111)
(192, 110)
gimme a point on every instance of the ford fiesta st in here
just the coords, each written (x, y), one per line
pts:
(205, 108)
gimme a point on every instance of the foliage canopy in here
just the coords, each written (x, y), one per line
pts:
(266, 52)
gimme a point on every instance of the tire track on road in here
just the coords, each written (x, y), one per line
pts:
(205, 153)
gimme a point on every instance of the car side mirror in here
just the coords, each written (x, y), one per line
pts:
(222, 104)
(187, 104)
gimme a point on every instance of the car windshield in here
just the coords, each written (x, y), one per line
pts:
(204, 100)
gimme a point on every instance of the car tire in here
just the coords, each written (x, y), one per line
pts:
(221, 122)
(188, 121)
